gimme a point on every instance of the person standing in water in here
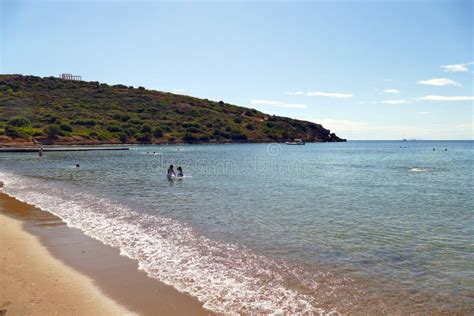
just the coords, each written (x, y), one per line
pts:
(180, 172)
(171, 172)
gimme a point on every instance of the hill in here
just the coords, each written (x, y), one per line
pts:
(53, 110)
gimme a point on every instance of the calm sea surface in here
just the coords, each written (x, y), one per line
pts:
(358, 227)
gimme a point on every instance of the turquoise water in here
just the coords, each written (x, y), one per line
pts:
(360, 227)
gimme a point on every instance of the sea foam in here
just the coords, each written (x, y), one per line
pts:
(419, 169)
(227, 278)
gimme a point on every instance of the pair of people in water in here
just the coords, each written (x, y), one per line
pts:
(171, 172)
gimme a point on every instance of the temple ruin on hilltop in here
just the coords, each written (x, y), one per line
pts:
(67, 76)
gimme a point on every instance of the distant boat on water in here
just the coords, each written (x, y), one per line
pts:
(297, 141)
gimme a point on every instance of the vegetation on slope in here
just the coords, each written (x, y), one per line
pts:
(52, 110)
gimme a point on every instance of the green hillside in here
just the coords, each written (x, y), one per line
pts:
(52, 110)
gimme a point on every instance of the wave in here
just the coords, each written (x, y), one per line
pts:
(226, 278)
(419, 169)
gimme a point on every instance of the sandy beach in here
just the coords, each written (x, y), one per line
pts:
(32, 282)
(48, 268)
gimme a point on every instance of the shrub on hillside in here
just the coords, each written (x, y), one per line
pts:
(222, 134)
(191, 124)
(52, 131)
(238, 136)
(158, 132)
(146, 128)
(12, 132)
(85, 122)
(50, 119)
(204, 138)
(238, 119)
(114, 128)
(250, 126)
(136, 122)
(145, 137)
(65, 127)
(131, 131)
(193, 130)
(121, 117)
(189, 138)
(19, 121)
(123, 138)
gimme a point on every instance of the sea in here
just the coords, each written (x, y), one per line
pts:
(362, 227)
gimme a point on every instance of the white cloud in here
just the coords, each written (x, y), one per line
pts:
(465, 129)
(342, 125)
(424, 113)
(264, 102)
(278, 104)
(440, 82)
(464, 125)
(400, 101)
(457, 67)
(364, 130)
(296, 93)
(179, 90)
(392, 91)
(447, 98)
(293, 105)
(330, 94)
(322, 94)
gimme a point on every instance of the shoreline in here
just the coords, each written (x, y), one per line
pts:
(29, 144)
(33, 282)
(59, 148)
(110, 283)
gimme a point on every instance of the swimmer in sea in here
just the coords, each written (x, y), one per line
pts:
(171, 172)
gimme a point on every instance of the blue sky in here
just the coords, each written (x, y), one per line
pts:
(364, 69)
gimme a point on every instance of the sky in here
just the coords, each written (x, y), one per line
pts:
(363, 69)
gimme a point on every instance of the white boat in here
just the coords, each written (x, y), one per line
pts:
(297, 141)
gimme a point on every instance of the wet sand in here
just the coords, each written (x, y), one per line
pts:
(47, 267)
(34, 283)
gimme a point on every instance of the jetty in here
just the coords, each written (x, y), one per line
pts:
(58, 148)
